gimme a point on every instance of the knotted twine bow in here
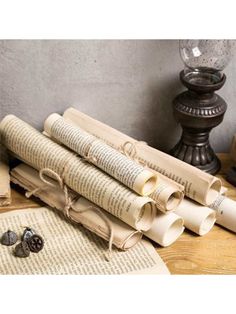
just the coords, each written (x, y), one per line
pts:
(69, 203)
(129, 149)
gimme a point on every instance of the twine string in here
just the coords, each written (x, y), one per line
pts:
(43, 174)
(129, 149)
(88, 157)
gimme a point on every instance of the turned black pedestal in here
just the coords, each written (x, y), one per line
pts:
(198, 110)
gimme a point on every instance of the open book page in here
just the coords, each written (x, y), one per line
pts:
(124, 236)
(130, 173)
(40, 152)
(72, 249)
(200, 186)
(197, 218)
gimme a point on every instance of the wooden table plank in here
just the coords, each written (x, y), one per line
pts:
(19, 201)
(214, 253)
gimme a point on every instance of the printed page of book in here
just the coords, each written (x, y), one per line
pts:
(40, 152)
(200, 186)
(82, 211)
(72, 249)
(120, 167)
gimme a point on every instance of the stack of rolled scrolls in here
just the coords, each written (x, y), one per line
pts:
(112, 184)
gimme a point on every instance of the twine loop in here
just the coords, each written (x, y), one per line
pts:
(129, 149)
(69, 203)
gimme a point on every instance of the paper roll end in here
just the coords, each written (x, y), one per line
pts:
(49, 122)
(207, 224)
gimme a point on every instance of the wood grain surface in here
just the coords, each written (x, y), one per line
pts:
(214, 253)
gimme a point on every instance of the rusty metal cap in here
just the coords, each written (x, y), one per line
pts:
(9, 238)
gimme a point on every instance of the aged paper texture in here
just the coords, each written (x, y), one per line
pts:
(72, 250)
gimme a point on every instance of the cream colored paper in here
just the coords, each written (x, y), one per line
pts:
(72, 249)
(168, 194)
(200, 186)
(225, 212)
(130, 173)
(124, 237)
(40, 152)
(166, 229)
(197, 218)
(5, 189)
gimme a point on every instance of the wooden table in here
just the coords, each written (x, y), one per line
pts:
(214, 253)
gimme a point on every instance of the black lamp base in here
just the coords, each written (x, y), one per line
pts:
(198, 110)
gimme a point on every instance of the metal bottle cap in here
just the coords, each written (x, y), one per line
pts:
(9, 238)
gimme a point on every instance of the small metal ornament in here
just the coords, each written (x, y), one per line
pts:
(9, 238)
(27, 234)
(22, 249)
(35, 243)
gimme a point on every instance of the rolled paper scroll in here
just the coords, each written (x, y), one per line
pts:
(168, 194)
(166, 229)
(124, 237)
(197, 218)
(5, 190)
(125, 170)
(199, 186)
(40, 152)
(225, 212)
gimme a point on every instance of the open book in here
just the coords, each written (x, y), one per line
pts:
(70, 249)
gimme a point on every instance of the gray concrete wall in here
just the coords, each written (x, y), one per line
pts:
(127, 84)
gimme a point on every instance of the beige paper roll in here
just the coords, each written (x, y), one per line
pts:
(43, 154)
(197, 218)
(124, 237)
(168, 194)
(166, 229)
(131, 174)
(200, 186)
(225, 212)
